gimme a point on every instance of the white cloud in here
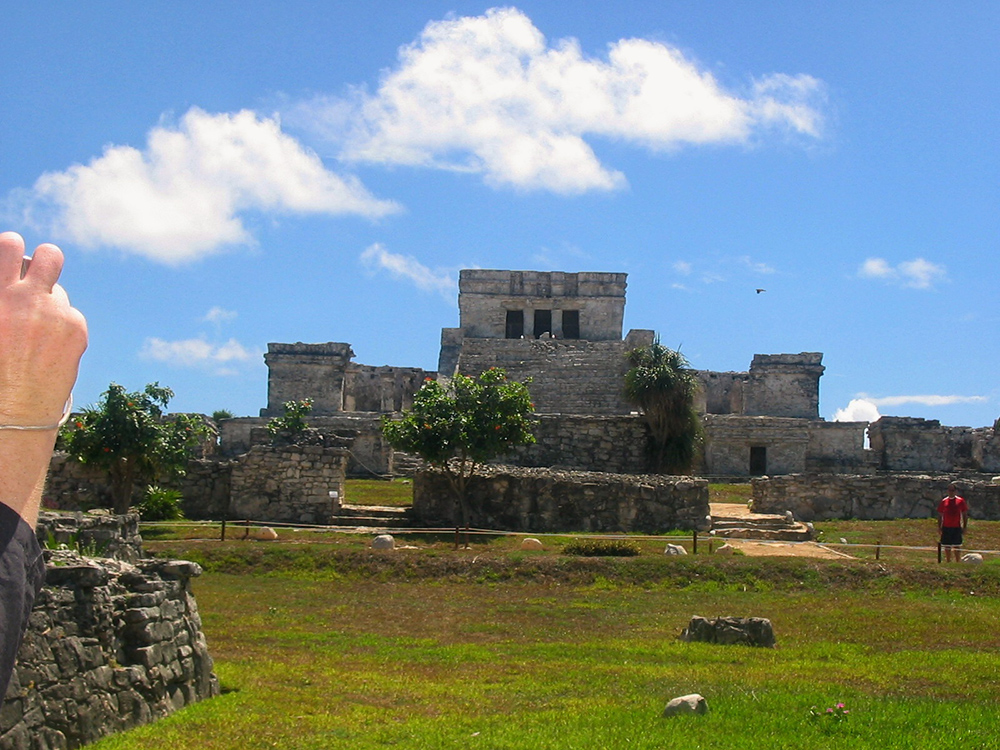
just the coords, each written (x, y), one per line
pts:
(913, 274)
(376, 257)
(183, 196)
(219, 315)
(756, 267)
(865, 408)
(925, 400)
(200, 353)
(858, 410)
(683, 268)
(488, 94)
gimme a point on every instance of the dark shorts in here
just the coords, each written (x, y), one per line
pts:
(22, 572)
(951, 536)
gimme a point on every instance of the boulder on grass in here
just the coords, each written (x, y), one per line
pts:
(686, 704)
(746, 631)
(675, 549)
(531, 543)
(384, 541)
(726, 549)
(265, 534)
(972, 557)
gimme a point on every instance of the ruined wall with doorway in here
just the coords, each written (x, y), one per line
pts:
(746, 446)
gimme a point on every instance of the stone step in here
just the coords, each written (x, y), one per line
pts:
(370, 522)
(797, 533)
(377, 511)
(750, 524)
(377, 516)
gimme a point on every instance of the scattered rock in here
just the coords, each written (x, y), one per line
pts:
(972, 557)
(747, 631)
(686, 704)
(996, 480)
(384, 541)
(531, 543)
(674, 549)
(726, 549)
(265, 534)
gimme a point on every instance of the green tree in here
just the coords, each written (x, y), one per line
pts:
(128, 436)
(293, 423)
(663, 386)
(458, 426)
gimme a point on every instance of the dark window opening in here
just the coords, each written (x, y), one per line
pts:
(571, 324)
(758, 460)
(515, 324)
(543, 322)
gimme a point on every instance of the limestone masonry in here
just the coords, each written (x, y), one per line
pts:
(112, 642)
(564, 331)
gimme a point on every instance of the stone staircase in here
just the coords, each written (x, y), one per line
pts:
(372, 516)
(736, 522)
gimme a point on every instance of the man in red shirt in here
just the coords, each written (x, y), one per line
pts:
(953, 517)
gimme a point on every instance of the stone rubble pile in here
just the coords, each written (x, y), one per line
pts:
(110, 645)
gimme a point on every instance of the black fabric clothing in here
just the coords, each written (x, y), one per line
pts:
(951, 536)
(22, 573)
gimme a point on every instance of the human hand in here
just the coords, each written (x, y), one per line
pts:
(42, 336)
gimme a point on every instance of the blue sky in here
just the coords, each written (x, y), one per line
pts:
(223, 175)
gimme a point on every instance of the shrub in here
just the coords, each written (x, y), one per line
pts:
(160, 504)
(602, 548)
(293, 423)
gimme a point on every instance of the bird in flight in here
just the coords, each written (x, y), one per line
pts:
(761, 290)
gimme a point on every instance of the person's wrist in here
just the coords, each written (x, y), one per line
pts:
(40, 418)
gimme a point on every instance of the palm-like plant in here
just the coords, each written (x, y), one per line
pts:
(661, 383)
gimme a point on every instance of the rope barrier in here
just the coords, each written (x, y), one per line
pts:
(250, 523)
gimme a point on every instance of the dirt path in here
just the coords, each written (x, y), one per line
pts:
(771, 549)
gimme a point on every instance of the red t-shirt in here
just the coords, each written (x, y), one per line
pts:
(951, 510)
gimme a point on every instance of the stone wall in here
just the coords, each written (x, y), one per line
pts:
(783, 446)
(99, 532)
(823, 497)
(616, 445)
(72, 486)
(913, 444)
(485, 297)
(567, 377)
(289, 484)
(729, 441)
(784, 385)
(325, 374)
(298, 371)
(109, 646)
(359, 433)
(540, 500)
(720, 392)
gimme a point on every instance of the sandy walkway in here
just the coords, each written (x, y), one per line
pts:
(770, 549)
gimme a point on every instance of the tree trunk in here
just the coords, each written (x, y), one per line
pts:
(122, 482)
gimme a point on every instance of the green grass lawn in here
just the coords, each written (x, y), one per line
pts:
(396, 492)
(335, 646)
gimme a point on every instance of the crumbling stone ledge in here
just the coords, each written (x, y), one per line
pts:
(110, 645)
